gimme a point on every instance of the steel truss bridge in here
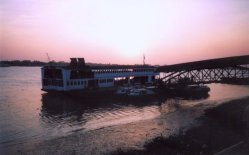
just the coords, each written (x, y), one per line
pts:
(206, 71)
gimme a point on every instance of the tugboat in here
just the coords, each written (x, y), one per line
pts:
(194, 90)
(184, 88)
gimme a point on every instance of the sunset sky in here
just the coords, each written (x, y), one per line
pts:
(121, 31)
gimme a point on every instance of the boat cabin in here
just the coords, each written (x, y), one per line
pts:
(80, 76)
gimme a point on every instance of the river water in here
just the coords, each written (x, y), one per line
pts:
(29, 116)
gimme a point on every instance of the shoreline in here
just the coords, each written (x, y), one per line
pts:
(210, 136)
(224, 130)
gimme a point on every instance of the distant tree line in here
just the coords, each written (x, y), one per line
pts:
(29, 63)
(6, 63)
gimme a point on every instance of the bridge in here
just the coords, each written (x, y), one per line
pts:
(229, 69)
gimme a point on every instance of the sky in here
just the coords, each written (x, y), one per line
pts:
(122, 31)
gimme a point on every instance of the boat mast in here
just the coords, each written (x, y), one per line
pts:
(143, 59)
(49, 61)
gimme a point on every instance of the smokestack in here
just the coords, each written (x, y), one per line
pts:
(73, 62)
(81, 62)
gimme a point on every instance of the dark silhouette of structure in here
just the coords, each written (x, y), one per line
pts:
(228, 70)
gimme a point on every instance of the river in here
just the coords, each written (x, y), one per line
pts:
(29, 116)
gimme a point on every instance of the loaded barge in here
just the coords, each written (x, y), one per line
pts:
(84, 79)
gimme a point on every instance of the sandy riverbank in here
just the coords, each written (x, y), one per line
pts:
(222, 127)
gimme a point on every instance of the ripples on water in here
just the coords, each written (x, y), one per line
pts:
(87, 115)
(27, 114)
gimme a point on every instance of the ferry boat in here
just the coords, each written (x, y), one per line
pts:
(83, 78)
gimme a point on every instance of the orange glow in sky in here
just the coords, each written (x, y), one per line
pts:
(110, 31)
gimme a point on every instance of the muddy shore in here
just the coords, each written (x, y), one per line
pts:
(224, 130)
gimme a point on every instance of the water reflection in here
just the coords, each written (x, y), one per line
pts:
(56, 104)
(110, 123)
(97, 113)
(62, 105)
(82, 114)
(192, 97)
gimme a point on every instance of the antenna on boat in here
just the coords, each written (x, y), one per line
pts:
(49, 61)
(143, 59)
(48, 57)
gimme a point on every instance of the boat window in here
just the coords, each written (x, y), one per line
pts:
(48, 82)
(78, 82)
(82, 82)
(67, 83)
(109, 80)
(79, 74)
(53, 73)
(75, 83)
(102, 81)
(71, 83)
